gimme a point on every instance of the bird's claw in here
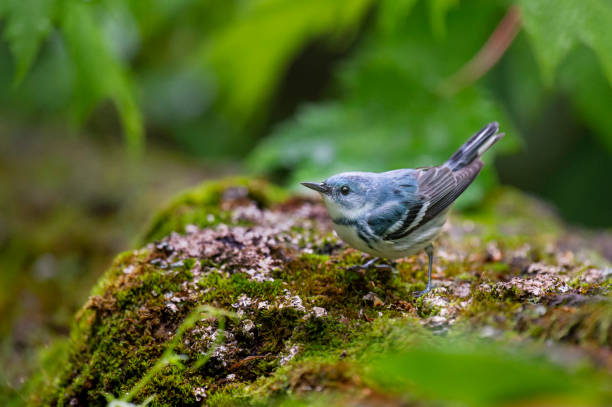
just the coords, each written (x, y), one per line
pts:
(418, 294)
(357, 268)
(370, 265)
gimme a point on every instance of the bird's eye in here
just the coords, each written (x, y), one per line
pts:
(345, 190)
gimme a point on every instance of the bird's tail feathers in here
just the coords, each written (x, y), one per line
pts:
(475, 146)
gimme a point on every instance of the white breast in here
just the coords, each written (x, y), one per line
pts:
(349, 235)
(395, 249)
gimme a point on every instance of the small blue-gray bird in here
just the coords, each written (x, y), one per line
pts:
(397, 213)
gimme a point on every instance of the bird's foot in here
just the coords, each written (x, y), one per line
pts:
(418, 294)
(371, 265)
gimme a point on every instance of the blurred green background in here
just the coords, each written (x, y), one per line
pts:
(109, 107)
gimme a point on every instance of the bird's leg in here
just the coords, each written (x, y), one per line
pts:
(430, 254)
(370, 264)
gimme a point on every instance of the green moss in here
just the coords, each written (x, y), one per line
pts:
(591, 325)
(200, 206)
(513, 218)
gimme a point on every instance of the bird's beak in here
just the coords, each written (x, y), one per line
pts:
(318, 186)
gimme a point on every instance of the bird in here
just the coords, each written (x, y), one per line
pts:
(398, 213)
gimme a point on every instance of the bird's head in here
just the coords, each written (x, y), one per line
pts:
(345, 195)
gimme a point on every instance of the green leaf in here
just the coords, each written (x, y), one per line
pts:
(28, 24)
(555, 27)
(590, 92)
(481, 374)
(438, 11)
(251, 54)
(391, 13)
(99, 75)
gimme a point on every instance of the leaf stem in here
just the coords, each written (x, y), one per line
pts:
(487, 56)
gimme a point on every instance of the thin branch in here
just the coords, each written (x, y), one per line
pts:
(487, 56)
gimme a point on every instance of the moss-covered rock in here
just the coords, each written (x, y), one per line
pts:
(303, 324)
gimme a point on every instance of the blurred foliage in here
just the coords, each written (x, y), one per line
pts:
(184, 53)
(462, 370)
(555, 27)
(280, 28)
(221, 78)
(97, 73)
(64, 214)
(391, 114)
(477, 373)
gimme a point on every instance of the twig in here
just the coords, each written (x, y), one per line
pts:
(487, 56)
(247, 360)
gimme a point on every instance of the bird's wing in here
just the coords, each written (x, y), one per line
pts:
(437, 189)
(391, 215)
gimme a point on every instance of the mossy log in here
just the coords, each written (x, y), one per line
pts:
(305, 324)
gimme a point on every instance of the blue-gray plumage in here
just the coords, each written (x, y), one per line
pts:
(398, 213)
